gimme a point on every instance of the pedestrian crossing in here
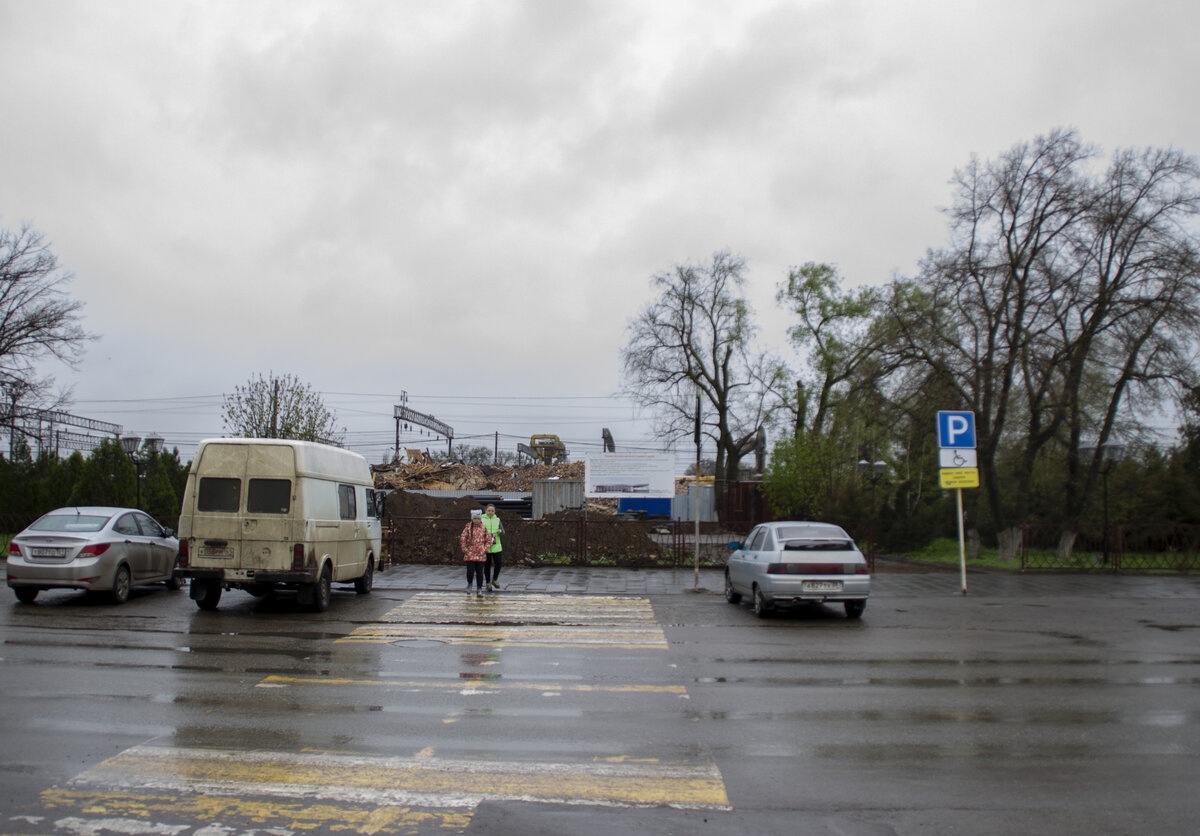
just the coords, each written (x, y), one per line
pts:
(161, 789)
(512, 620)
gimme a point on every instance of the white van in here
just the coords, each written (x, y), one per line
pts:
(262, 514)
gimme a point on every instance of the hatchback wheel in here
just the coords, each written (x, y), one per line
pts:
(26, 594)
(761, 607)
(854, 609)
(122, 583)
(731, 595)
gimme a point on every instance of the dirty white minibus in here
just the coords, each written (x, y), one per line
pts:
(267, 514)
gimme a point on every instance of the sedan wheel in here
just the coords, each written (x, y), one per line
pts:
(26, 594)
(122, 582)
(173, 582)
(854, 609)
(731, 595)
(761, 607)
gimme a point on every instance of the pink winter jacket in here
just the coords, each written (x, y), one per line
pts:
(475, 540)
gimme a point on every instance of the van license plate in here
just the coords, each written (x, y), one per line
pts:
(216, 551)
(823, 586)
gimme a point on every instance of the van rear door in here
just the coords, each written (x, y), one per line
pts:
(244, 498)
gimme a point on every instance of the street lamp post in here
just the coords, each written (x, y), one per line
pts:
(140, 452)
(1111, 452)
(874, 472)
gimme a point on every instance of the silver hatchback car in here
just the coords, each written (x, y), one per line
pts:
(790, 564)
(94, 548)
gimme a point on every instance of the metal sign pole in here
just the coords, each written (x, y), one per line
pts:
(962, 544)
(696, 435)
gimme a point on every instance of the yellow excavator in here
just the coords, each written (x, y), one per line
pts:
(544, 449)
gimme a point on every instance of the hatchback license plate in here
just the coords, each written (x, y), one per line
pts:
(822, 586)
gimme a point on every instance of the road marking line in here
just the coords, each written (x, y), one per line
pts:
(277, 680)
(406, 782)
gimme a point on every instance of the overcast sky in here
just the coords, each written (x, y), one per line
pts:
(466, 200)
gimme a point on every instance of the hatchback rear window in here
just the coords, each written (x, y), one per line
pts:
(69, 522)
(269, 496)
(219, 494)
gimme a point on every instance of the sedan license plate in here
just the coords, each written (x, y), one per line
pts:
(216, 551)
(48, 552)
(822, 586)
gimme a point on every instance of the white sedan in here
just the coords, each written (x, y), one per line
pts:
(791, 564)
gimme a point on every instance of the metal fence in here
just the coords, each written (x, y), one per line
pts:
(1165, 549)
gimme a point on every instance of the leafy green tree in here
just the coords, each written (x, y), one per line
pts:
(280, 407)
(107, 477)
(799, 480)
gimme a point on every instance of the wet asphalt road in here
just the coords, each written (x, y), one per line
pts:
(606, 701)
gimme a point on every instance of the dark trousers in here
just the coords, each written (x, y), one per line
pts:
(491, 569)
(475, 573)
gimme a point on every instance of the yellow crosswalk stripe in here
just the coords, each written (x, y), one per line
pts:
(377, 781)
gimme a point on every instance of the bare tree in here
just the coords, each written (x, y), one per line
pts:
(1059, 295)
(280, 407)
(38, 320)
(695, 339)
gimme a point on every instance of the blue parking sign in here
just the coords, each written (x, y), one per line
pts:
(956, 429)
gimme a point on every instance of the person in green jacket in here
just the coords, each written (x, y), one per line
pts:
(491, 569)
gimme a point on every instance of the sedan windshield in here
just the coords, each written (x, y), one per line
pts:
(69, 522)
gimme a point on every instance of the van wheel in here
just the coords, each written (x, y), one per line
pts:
(366, 583)
(322, 590)
(206, 594)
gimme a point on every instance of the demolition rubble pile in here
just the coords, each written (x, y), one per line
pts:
(454, 476)
(425, 529)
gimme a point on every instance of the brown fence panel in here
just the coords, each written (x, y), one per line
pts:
(566, 542)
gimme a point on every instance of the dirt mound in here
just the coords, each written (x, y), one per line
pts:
(409, 504)
(425, 529)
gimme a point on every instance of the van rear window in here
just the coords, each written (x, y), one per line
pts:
(219, 494)
(269, 496)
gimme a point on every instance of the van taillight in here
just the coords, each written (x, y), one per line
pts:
(298, 556)
(182, 559)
